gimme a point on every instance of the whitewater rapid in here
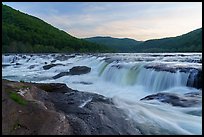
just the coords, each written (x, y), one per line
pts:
(126, 78)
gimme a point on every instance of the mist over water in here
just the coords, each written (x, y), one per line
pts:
(126, 78)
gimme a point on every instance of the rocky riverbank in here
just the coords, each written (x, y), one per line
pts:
(49, 109)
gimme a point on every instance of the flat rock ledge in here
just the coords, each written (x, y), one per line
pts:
(55, 109)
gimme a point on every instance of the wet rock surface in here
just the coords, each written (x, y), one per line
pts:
(56, 109)
(61, 74)
(77, 70)
(195, 80)
(82, 82)
(32, 66)
(188, 100)
(172, 68)
(46, 67)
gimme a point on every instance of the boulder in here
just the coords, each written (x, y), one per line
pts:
(78, 70)
(175, 99)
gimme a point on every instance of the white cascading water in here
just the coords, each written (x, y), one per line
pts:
(138, 75)
(125, 79)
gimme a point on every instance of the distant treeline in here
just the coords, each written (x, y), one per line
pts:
(190, 42)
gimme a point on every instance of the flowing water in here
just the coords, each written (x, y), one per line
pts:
(126, 78)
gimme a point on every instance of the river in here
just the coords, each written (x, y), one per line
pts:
(126, 78)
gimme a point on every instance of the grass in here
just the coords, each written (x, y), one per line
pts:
(17, 98)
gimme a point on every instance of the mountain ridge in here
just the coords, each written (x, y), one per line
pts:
(174, 44)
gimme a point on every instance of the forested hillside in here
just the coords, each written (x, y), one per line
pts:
(190, 42)
(119, 44)
(24, 33)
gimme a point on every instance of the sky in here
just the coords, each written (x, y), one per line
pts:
(137, 20)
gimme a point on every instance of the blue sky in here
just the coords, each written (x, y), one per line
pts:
(137, 20)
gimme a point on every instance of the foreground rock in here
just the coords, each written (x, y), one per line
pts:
(56, 109)
(77, 70)
(188, 100)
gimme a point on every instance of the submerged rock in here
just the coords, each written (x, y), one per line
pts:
(82, 82)
(175, 100)
(61, 74)
(31, 66)
(18, 64)
(46, 67)
(5, 65)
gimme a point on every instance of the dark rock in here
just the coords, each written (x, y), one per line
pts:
(5, 65)
(28, 60)
(53, 61)
(85, 109)
(14, 59)
(54, 87)
(174, 99)
(31, 66)
(24, 57)
(45, 62)
(117, 66)
(82, 82)
(46, 67)
(171, 68)
(61, 74)
(195, 79)
(18, 64)
(78, 70)
(169, 55)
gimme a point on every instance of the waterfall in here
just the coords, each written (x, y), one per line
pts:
(161, 80)
(133, 75)
(8, 59)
